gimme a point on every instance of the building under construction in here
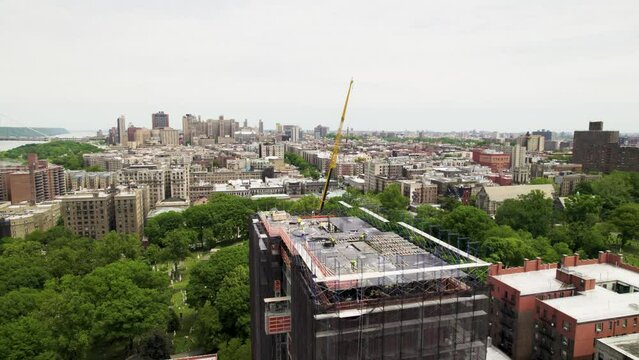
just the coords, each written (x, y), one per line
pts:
(349, 288)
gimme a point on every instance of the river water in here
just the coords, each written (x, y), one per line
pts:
(78, 134)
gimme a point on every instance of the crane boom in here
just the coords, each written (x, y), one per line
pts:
(333, 162)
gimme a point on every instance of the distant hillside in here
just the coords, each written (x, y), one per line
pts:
(6, 131)
(66, 153)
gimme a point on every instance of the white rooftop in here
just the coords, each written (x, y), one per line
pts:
(606, 273)
(597, 304)
(501, 193)
(533, 282)
(627, 345)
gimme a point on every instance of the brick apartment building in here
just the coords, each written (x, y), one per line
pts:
(35, 182)
(95, 213)
(557, 311)
(599, 150)
(496, 161)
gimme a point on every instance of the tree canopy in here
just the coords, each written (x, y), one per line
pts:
(67, 297)
(532, 212)
(60, 152)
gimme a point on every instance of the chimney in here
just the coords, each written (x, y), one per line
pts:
(603, 257)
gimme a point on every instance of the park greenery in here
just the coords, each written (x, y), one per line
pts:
(67, 297)
(60, 152)
(305, 168)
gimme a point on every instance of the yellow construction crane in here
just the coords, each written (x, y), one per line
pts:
(338, 136)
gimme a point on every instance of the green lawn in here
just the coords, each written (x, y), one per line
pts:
(182, 340)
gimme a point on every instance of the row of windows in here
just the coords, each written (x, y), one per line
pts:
(624, 324)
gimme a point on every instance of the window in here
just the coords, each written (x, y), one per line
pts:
(566, 325)
(564, 340)
(609, 325)
(634, 322)
(624, 323)
(598, 327)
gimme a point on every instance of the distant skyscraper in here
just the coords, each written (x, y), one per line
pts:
(293, 132)
(519, 168)
(261, 127)
(122, 135)
(160, 120)
(547, 134)
(245, 123)
(320, 131)
(189, 127)
(278, 128)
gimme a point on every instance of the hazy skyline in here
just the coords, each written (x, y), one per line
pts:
(493, 65)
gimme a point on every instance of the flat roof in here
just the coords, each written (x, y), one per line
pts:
(533, 282)
(628, 345)
(84, 195)
(605, 273)
(597, 304)
(348, 249)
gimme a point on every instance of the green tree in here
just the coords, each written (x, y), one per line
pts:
(392, 199)
(468, 221)
(206, 276)
(303, 166)
(157, 226)
(269, 203)
(25, 338)
(17, 303)
(129, 299)
(229, 215)
(154, 345)
(207, 328)
(232, 302)
(113, 247)
(304, 205)
(427, 216)
(505, 245)
(583, 208)
(235, 349)
(614, 189)
(199, 218)
(176, 246)
(369, 201)
(587, 239)
(626, 219)
(448, 203)
(70, 255)
(532, 212)
(153, 254)
(70, 315)
(22, 272)
(57, 233)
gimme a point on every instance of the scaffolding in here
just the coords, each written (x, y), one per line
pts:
(362, 287)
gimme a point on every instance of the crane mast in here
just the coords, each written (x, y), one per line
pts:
(333, 162)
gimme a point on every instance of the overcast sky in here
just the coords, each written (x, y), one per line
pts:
(432, 65)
